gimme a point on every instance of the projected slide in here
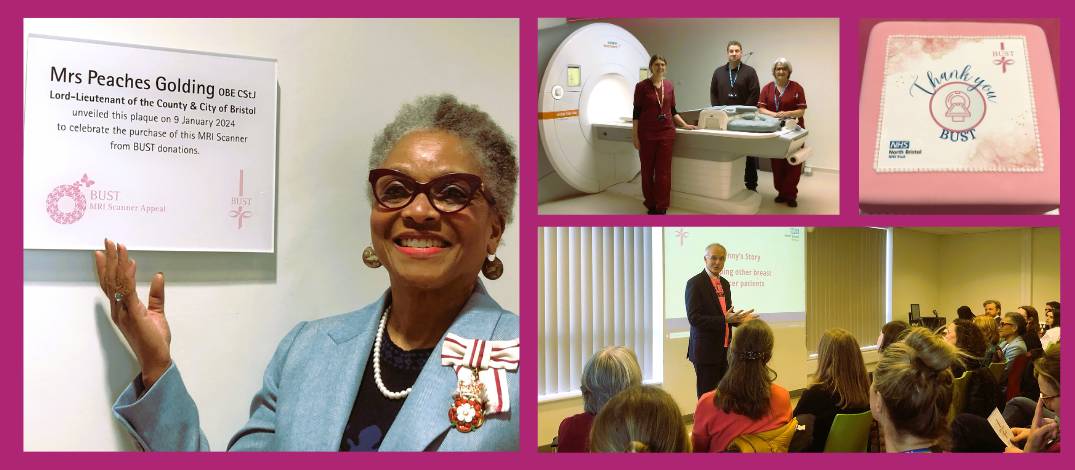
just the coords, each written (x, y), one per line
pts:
(765, 266)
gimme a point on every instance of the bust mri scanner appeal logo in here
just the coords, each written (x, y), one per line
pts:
(66, 204)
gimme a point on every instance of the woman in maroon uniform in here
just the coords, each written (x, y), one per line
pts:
(654, 124)
(784, 99)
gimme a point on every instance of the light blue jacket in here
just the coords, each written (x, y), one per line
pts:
(311, 384)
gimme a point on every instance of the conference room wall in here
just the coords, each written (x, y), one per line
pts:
(695, 47)
(1015, 266)
(340, 82)
(916, 259)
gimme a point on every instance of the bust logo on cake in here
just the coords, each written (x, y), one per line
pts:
(958, 101)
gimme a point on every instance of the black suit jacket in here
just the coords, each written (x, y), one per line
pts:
(747, 88)
(706, 345)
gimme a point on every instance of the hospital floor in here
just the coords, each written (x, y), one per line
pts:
(818, 194)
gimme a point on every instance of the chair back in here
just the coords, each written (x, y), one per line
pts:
(959, 396)
(997, 369)
(1015, 377)
(773, 440)
(849, 433)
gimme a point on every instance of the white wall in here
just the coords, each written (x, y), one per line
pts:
(696, 47)
(340, 82)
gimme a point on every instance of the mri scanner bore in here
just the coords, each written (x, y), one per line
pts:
(585, 127)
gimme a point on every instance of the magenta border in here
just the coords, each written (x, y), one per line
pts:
(856, 17)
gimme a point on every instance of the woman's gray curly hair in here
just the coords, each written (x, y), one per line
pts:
(490, 144)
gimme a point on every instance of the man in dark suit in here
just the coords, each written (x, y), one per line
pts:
(710, 313)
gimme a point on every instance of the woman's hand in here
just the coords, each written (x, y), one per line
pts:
(1020, 434)
(1042, 437)
(144, 327)
(690, 127)
(634, 140)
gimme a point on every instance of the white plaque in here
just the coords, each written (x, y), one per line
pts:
(161, 149)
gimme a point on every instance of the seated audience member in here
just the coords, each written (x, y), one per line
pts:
(964, 313)
(640, 419)
(840, 385)
(1012, 328)
(983, 392)
(974, 433)
(890, 333)
(1052, 325)
(609, 371)
(965, 336)
(912, 391)
(1032, 338)
(992, 336)
(746, 400)
(992, 310)
(1044, 433)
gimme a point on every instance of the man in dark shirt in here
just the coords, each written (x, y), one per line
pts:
(736, 83)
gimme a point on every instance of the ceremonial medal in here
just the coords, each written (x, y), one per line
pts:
(468, 405)
(478, 362)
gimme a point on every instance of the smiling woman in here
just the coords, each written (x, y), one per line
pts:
(442, 185)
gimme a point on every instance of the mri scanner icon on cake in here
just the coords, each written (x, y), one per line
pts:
(585, 127)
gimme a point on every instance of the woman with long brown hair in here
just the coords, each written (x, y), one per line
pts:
(1032, 338)
(746, 400)
(840, 385)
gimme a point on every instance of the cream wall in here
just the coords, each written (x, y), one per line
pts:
(340, 82)
(1013, 266)
(915, 266)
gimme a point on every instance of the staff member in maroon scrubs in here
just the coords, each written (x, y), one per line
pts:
(654, 131)
(784, 99)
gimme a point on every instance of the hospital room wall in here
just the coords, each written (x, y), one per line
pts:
(340, 82)
(696, 47)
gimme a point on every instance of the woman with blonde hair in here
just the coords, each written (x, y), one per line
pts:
(840, 385)
(608, 372)
(746, 400)
(992, 336)
(640, 419)
(912, 392)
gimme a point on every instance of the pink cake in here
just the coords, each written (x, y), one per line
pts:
(958, 118)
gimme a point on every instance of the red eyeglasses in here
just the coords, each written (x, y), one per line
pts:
(448, 193)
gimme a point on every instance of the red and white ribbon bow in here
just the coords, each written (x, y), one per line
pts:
(491, 359)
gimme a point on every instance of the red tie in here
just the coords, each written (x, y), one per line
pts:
(723, 309)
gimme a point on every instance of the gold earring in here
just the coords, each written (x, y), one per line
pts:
(370, 258)
(493, 268)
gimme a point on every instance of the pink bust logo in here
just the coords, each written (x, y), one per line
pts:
(242, 203)
(66, 204)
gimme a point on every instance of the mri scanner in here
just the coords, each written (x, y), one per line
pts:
(587, 94)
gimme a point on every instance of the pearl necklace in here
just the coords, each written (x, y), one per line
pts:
(377, 362)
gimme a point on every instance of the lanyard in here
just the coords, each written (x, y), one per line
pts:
(660, 98)
(780, 94)
(732, 79)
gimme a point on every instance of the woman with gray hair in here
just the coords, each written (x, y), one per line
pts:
(608, 372)
(442, 187)
(784, 99)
